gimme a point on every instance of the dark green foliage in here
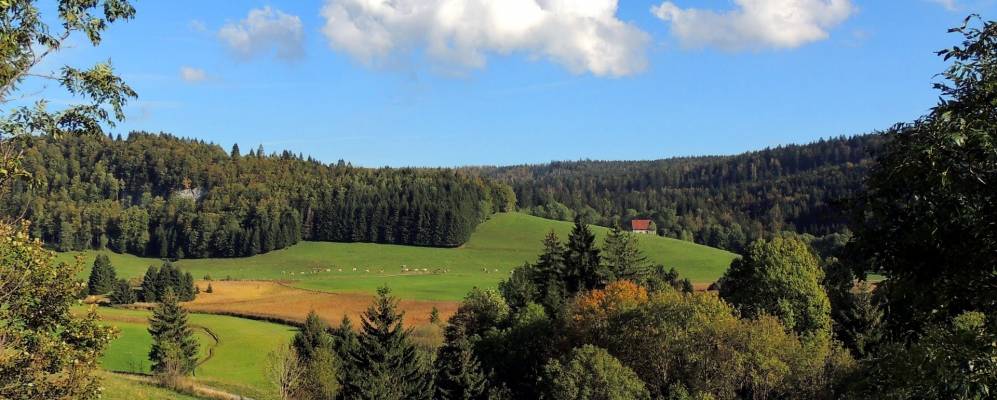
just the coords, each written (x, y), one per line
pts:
(312, 336)
(166, 197)
(726, 202)
(385, 364)
(591, 373)
(157, 281)
(102, 276)
(583, 267)
(123, 293)
(458, 372)
(149, 280)
(956, 360)
(174, 347)
(314, 346)
(780, 278)
(623, 257)
(517, 350)
(926, 219)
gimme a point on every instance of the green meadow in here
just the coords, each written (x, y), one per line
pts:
(497, 246)
(234, 362)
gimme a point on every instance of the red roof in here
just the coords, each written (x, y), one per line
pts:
(640, 225)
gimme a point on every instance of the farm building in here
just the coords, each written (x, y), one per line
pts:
(642, 226)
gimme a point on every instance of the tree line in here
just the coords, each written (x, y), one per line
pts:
(168, 197)
(721, 201)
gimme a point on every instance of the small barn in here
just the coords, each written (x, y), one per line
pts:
(641, 226)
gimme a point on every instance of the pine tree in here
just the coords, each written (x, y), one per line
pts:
(174, 348)
(102, 276)
(235, 151)
(458, 372)
(123, 293)
(623, 257)
(209, 289)
(149, 282)
(583, 266)
(385, 365)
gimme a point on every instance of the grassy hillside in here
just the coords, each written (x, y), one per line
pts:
(117, 387)
(496, 247)
(237, 359)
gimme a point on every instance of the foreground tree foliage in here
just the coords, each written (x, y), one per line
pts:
(926, 220)
(46, 352)
(590, 373)
(955, 360)
(315, 349)
(174, 347)
(781, 278)
(384, 364)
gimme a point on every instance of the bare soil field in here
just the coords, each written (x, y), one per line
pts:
(278, 301)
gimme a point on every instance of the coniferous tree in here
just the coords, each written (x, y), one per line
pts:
(385, 365)
(123, 293)
(209, 289)
(149, 284)
(187, 288)
(583, 265)
(623, 258)
(102, 276)
(235, 151)
(314, 347)
(174, 347)
(458, 372)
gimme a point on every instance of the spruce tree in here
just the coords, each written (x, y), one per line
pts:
(174, 347)
(458, 372)
(311, 337)
(385, 365)
(187, 290)
(123, 293)
(149, 282)
(583, 266)
(623, 258)
(314, 346)
(102, 276)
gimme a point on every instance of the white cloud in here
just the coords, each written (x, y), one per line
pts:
(192, 75)
(756, 24)
(581, 35)
(197, 25)
(950, 5)
(265, 30)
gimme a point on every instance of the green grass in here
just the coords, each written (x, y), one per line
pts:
(239, 357)
(504, 242)
(120, 388)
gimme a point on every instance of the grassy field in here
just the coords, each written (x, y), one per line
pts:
(504, 242)
(117, 387)
(238, 358)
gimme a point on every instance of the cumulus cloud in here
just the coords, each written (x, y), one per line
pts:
(192, 75)
(756, 24)
(265, 30)
(584, 36)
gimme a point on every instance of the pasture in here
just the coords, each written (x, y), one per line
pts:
(233, 355)
(497, 246)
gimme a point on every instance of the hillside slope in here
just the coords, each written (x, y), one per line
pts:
(497, 246)
(720, 201)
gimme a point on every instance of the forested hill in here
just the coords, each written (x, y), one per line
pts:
(163, 196)
(721, 201)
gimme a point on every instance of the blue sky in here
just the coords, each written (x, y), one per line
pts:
(550, 80)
